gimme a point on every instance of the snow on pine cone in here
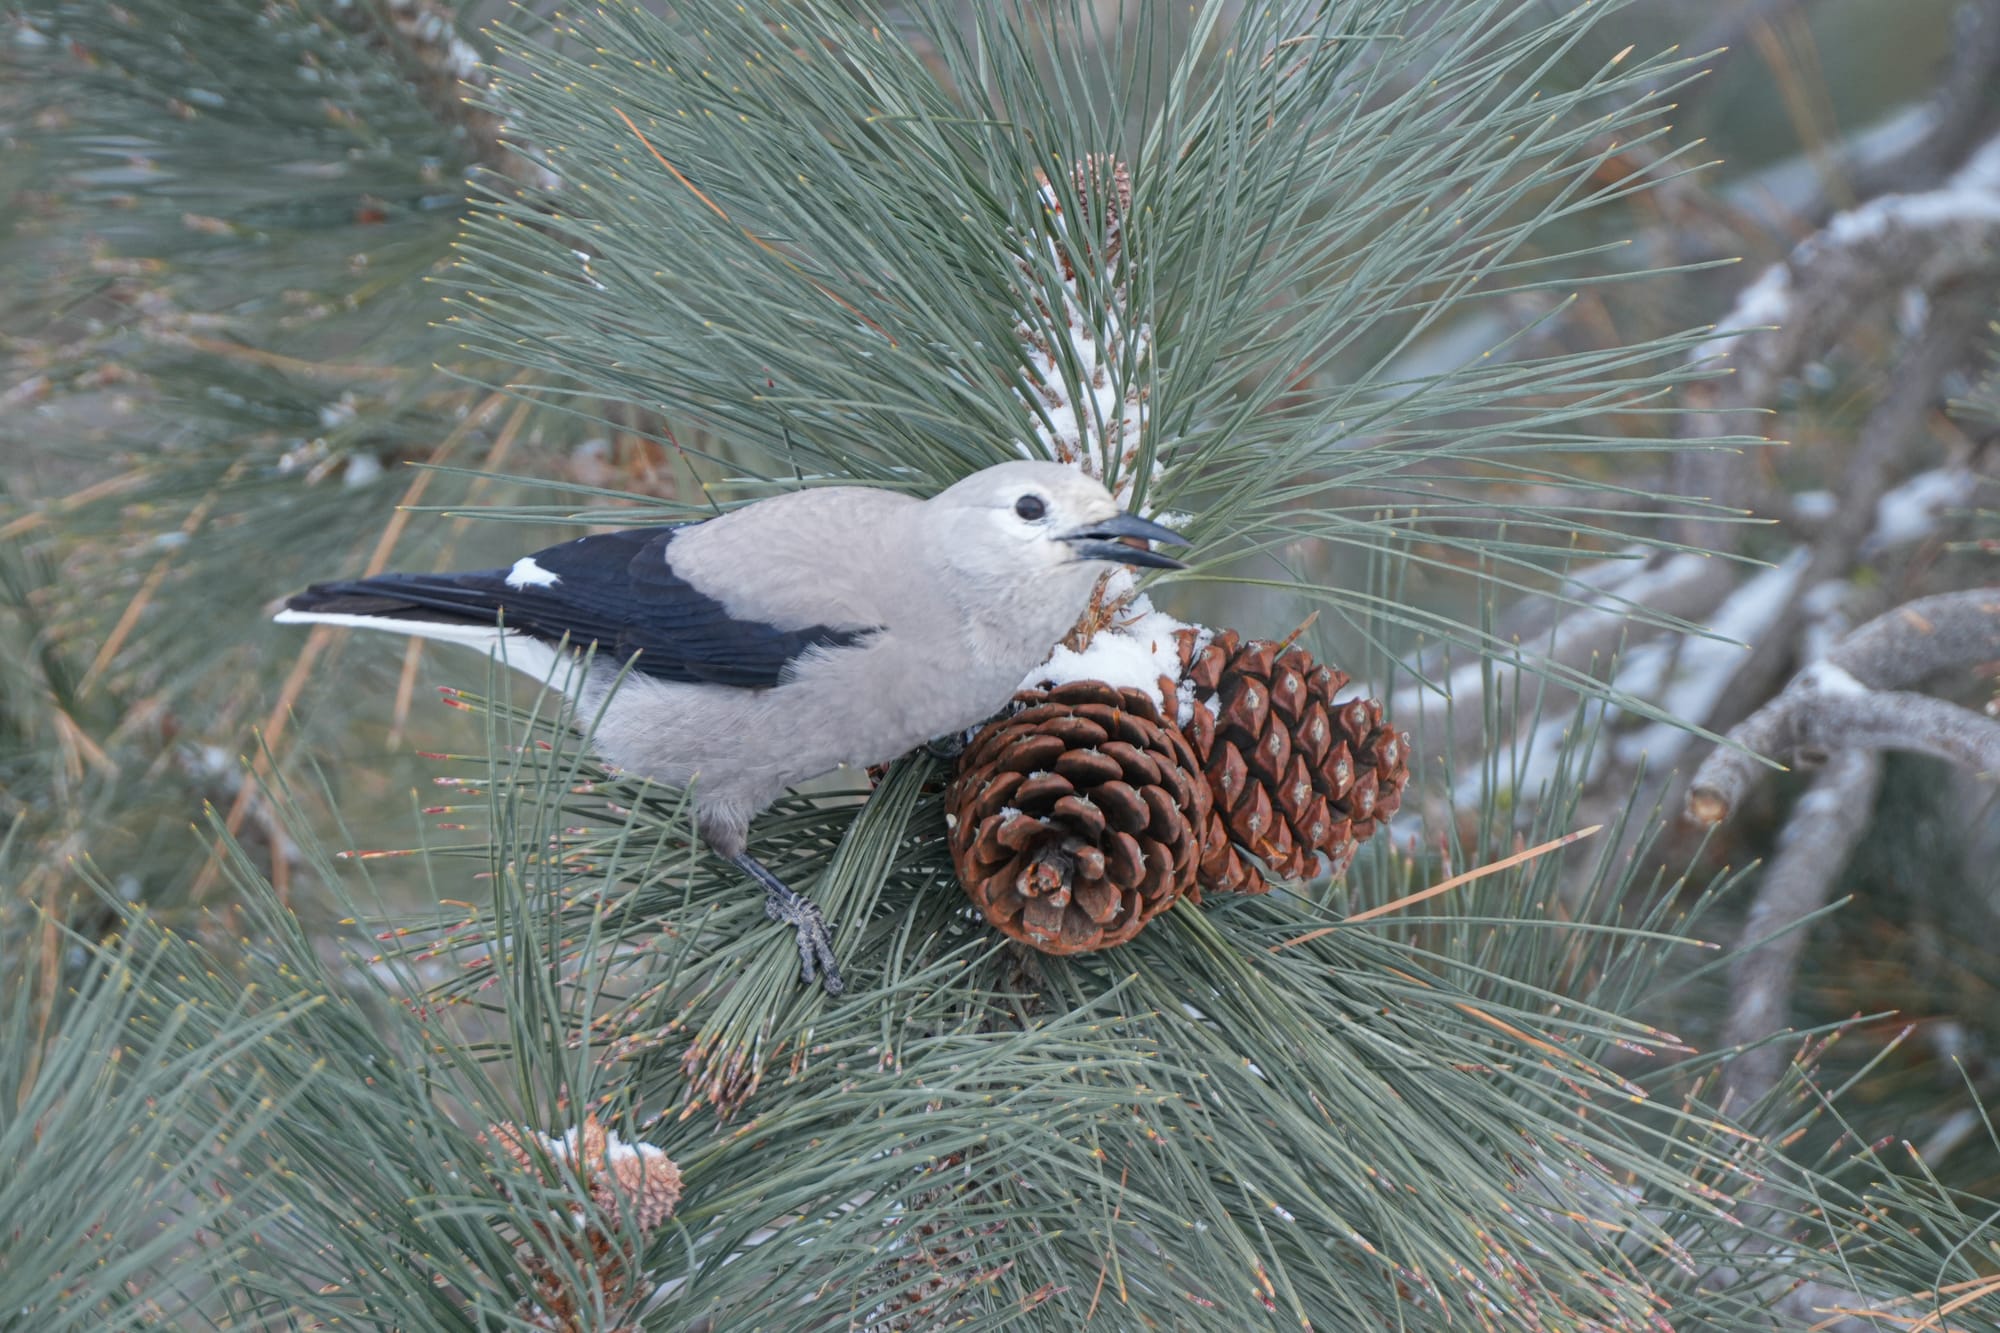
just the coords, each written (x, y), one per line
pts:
(1075, 820)
(1293, 774)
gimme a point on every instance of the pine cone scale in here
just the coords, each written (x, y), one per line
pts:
(1081, 815)
(1314, 736)
(997, 794)
(1228, 775)
(987, 844)
(1015, 836)
(1123, 806)
(1098, 900)
(1030, 754)
(1133, 764)
(1245, 710)
(1165, 821)
(1296, 793)
(1042, 787)
(1089, 766)
(1075, 732)
(1274, 749)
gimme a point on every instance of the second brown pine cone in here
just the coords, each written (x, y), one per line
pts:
(1295, 774)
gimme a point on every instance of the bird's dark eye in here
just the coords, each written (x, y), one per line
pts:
(1030, 507)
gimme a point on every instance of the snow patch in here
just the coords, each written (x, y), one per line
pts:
(339, 412)
(1103, 415)
(1530, 766)
(1823, 677)
(1764, 302)
(1086, 369)
(583, 258)
(363, 468)
(1914, 510)
(1134, 652)
(1690, 682)
(1955, 202)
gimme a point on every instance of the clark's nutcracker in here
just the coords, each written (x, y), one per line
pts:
(781, 640)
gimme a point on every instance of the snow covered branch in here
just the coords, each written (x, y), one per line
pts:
(1928, 241)
(1682, 586)
(1916, 387)
(1856, 698)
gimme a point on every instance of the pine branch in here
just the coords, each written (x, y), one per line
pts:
(111, 1117)
(447, 73)
(915, 975)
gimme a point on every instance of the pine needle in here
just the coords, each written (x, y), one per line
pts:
(1447, 885)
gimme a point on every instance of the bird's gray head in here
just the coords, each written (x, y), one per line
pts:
(1029, 520)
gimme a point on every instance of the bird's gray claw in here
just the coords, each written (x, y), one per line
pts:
(815, 939)
(816, 954)
(815, 936)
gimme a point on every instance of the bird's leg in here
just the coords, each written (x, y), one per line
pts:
(784, 903)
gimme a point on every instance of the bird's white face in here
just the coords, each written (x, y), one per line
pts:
(1032, 520)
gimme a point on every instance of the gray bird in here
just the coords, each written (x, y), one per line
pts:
(749, 652)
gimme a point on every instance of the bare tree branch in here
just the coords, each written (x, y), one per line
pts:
(1964, 110)
(1852, 699)
(1823, 829)
(1862, 258)
(1921, 640)
(1916, 386)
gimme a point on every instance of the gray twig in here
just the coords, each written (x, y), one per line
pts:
(1823, 829)
(1854, 698)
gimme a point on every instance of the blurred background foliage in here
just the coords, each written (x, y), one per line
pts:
(233, 235)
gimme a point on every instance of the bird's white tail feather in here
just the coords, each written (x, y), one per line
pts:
(526, 655)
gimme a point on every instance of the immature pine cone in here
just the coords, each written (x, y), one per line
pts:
(634, 1187)
(1074, 821)
(1294, 774)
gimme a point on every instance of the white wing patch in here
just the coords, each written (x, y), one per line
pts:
(527, 574)
(515, 650)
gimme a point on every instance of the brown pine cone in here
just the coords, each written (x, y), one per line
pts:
(1294, 774)
(1073, 822)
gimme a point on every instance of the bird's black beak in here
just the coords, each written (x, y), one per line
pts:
(1100, 541)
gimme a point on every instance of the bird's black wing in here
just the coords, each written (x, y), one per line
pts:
(617, 590)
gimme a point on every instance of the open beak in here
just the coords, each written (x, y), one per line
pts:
(1100, 541)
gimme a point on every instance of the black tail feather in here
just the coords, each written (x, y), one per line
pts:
(429, 597)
